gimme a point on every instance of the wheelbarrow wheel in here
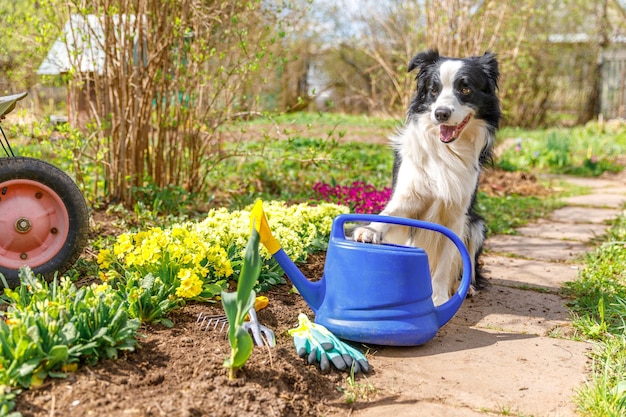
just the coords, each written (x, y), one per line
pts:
(43, 219)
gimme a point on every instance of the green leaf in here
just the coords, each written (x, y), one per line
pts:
(33, 333)
(58, 354)
(229, 302)
(147, 282)
(241, 350)
(236, 305)
(111, 353)
(69, 332)
(100, 333)
(28, 367)
(249, 274)
(166, 322)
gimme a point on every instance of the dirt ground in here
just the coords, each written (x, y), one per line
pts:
(179, 371)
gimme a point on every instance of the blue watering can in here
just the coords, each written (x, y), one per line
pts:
(377, 294)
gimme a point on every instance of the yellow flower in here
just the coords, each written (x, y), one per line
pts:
(123, 244)
(104, 258)
(190, 284)
(35, 381)
(12, 322)
(69, 367)
(101, 289)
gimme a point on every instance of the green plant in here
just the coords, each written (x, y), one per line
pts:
(288, 169)
(148, 298)
(51, 327)
(605, 394)
(237, 304)
(354, 391)
(600, 292)
(599, 309)
(584, 151)
(160, 201)
(7, 402)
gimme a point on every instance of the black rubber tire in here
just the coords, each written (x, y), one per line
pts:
(71, 197)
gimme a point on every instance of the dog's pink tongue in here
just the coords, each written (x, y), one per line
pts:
(446, 133)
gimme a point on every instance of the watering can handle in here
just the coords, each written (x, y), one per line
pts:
(446, 310)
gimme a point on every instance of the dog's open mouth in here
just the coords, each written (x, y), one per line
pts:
(449, 134)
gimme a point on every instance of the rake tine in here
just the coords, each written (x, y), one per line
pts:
(216, 321)
(199, 323)
(207, 321)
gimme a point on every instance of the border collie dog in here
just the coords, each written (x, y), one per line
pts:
(439, 152)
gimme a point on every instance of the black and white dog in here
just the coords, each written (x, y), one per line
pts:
(447, 138)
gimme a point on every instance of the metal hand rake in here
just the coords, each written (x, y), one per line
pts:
(260, 334)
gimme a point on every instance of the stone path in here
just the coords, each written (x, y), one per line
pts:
(507, 351)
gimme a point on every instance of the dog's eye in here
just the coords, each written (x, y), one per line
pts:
(434, 90)
(465, 91)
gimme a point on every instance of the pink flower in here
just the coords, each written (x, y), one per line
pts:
(359, 196)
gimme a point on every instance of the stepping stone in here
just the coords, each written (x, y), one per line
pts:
(582, 232)
(514, 272)
(617, 189)
(514, 310)
(598, 200)
(593, 183)
(536, 248)
(583, 215)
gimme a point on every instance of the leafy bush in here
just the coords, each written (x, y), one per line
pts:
(288, 169)
(584, 151)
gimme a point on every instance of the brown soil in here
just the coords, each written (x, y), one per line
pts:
(179, 371)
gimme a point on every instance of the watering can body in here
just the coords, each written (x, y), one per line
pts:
(378, 294)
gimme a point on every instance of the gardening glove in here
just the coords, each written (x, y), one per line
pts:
(318, 344)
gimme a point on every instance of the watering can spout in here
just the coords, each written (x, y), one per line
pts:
(311, 291)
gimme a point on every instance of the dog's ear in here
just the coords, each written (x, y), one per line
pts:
(423, 59)
(489, 64)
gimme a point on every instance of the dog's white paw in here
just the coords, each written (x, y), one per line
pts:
(367, 234)
(472, 291)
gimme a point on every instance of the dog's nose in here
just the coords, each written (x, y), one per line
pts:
(442, 114)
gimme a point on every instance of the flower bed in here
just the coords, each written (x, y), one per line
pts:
(359, 196)
(48, 329)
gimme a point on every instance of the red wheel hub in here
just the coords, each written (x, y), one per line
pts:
(34, 223)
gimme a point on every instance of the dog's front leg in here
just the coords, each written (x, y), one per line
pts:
(372, 233)
(375, 232)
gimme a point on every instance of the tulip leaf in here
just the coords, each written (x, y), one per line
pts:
(236, 305)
